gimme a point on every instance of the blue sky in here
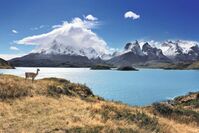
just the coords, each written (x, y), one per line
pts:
(159, 20)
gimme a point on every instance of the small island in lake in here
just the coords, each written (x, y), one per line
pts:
(100, 67)
(127, 68)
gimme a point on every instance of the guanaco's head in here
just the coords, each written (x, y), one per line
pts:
(38, 70)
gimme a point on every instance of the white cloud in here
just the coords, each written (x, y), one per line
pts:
(91, 18)
(39, 27)
(132, 15)
(56, 26)
(14, 31)
(14, 48)
(77, 34)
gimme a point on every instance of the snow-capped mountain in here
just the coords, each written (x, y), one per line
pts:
(59, 53)
(57, 48)
(169, 51)
(133, 47)
(180, 50)
(153, 53)
(135, 53)
(142, 49)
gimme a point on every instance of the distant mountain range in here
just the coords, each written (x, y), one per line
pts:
(144, 54)
(134, 53)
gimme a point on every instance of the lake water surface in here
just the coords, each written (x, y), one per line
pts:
(132, 87)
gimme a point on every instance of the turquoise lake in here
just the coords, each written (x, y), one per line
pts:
(141, 87)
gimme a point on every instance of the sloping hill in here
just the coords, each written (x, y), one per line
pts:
(5, 65)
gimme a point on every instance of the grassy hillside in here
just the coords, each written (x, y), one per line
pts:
(5, 65)
(57, 105)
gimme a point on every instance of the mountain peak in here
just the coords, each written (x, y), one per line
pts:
(132, 44)
(127, 46)
(146, 45)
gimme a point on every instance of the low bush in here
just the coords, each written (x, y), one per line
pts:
(179, 114)
(96, 129)
(163, 109)
(140, 118)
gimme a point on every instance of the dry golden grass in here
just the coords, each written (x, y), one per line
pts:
(47, 114)
(56, 105)
(15, 87)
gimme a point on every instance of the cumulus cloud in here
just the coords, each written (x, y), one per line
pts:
(131, 15)
(14, 48)
(77, 34)
(14, 31)
(91, 18)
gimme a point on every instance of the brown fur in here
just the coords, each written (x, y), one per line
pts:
(31, 75)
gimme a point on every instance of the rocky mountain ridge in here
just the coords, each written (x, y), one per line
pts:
(134, 53)
(139, 53)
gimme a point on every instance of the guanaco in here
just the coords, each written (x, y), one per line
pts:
(31, 75)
